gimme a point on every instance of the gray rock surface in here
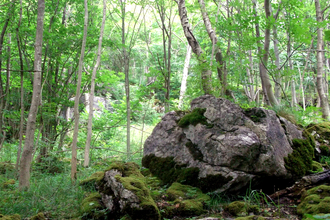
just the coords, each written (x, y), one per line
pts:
(242, 146)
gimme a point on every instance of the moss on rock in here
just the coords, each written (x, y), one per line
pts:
(133, 181)
(168, 171)
(321, 132)
(316, 167)
(299, 162)
(315, 201)
(186, 200)
(89, 183)
(193, 118)
(236, 208)
(91, 207)
(39, 216)
(10, 217)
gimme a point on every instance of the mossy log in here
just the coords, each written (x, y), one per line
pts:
(302, 185)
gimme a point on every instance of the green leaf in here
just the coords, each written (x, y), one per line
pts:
(327, 35)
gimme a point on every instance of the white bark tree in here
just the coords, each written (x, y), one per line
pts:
(91, 96)
(76, 101)
(184, 76)
(196, 48)
(320, 69)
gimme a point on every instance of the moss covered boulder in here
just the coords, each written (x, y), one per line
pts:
(185, 201)
(315, 201)
(321, 134)
(220, 146)
(124, 192)
(90, 182)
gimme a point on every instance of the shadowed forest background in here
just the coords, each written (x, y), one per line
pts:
(85, 82)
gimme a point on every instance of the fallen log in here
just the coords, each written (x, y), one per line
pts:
(305, 183)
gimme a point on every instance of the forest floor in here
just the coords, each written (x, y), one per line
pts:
(56, 197)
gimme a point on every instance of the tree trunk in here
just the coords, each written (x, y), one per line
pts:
(206, 73)
(25, 163)
(3, 94)
(76, 101)
(21, 127)
(91, 97)
(184, 76)
(277, 87)
(323, 97)
(263, 71)
(127, 86)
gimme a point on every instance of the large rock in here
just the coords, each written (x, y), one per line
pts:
(220, 146)
(122, 191)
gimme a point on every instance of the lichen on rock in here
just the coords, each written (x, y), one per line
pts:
(124, 191)
(220, 146)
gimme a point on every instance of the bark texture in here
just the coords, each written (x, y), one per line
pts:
(76, 101)
(205, 70)
(25, 163)
(91, 96)
(320, 70)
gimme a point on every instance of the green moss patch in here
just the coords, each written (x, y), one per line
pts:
(92, 207)
(316, 167)
(236, 208)
(134, 181)
(89, 183)
(299, 162)
(320, 132)
(193, 118)
(169, 172)
(240, 208)
(10, 217)
(186, 200)
(315, 201)
(39, 216)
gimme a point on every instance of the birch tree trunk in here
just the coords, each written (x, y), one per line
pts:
(91, 96)
(205, 69)
(184, 76)
(25, 163)
(320, 70)
(76, 101)
(277, 86)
